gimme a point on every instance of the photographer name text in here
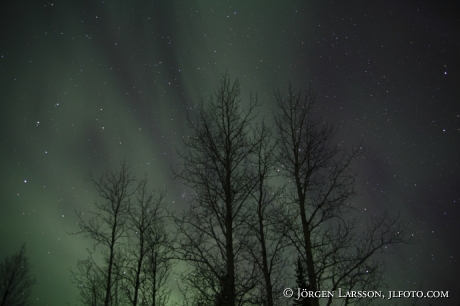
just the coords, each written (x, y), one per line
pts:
(373, 294)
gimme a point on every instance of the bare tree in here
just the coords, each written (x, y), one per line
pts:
(15, 279)
(108, 227)
(90, 281)
(235, 235)
(320, 186)
(157, 267)
(147, 264)
(266, 247)
(212, 233)
(129, 263)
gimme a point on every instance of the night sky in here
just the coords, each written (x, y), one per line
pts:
(84, 84)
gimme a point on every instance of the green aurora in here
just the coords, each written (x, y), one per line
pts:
(87, 83)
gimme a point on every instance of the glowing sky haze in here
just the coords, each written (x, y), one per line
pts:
(87, 83)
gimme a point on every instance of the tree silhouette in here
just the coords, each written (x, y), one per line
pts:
(320, 184)
(107, 226)
(212, 233)
(301, 283)
(15, 279)
(266, 247)
(128, 263)
(239, 231)
(147, 265)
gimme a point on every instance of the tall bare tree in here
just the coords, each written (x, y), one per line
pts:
(212, 233)
(147, 264)
(157, 267)
(108, 226)
(320, 186)
(130, 262)
(266, 247)
(15, 279)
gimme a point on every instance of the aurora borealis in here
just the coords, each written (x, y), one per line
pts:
(87, 83)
